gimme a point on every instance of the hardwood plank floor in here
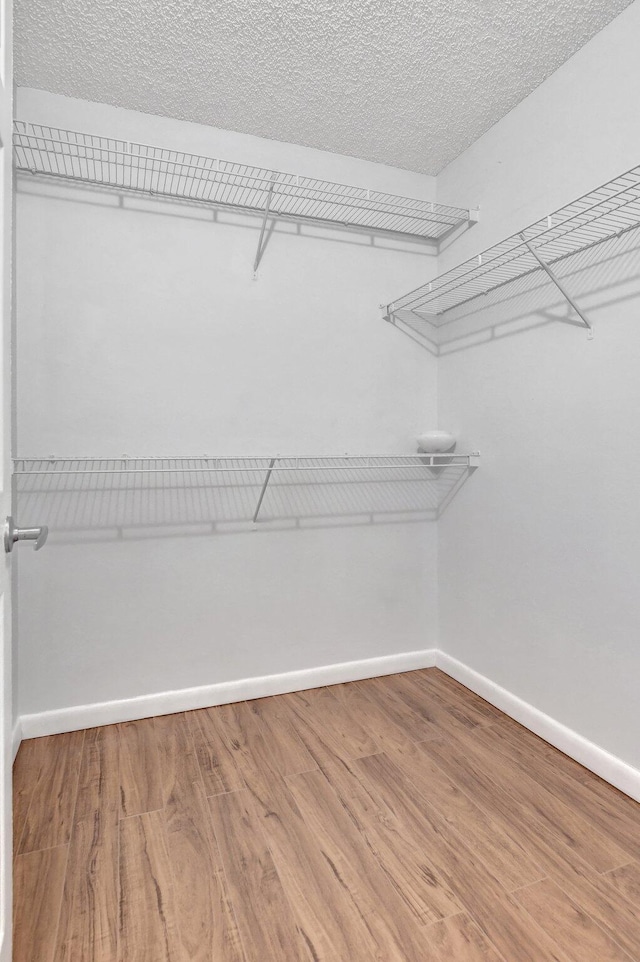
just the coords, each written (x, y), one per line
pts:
(398, 819)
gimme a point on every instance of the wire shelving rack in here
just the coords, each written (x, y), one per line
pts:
(246, 488)
(600, 215)
(158, 171)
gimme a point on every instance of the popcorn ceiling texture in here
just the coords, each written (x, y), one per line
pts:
(409, 83)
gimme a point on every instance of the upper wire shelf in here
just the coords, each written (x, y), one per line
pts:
(218, 489)
(601, 215)
(159, 171)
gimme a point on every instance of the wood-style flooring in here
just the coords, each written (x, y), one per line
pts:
(400, 819)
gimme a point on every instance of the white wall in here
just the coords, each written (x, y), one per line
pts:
(539, 560)
(142, 331)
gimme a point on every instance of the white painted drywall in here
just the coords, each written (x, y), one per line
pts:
(142, 331)
(539, 560)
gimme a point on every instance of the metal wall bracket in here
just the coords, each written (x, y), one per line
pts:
(264, 489)
(558, 283)
(261, 242)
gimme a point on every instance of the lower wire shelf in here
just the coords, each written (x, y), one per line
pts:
(85, 493)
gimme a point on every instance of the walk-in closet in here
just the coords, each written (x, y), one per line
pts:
(321, 404)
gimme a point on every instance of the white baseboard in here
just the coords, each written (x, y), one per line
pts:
(596, 759)
(205, 696)
(16, 738)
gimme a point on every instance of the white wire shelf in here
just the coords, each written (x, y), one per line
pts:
(158, 171)
(138, 491)
(601, 215)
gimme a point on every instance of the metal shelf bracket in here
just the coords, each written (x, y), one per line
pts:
(264, 489)
(261, 243)
(553, 277)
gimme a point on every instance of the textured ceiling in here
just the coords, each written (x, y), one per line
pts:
(405, 82)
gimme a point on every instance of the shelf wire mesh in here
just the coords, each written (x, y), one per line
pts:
(601, 215)
(125, 165)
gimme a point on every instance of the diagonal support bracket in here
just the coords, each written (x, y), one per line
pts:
(261, 242)
(558, 283)
(264, 489)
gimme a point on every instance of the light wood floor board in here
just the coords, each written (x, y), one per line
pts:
(89, 914)
(288, 754)
(38, 878)
(147, 929)
(358, 871)
(614, 815)
(626, 880)
(204, 916)
(396, 819)
(494, 910)
(570, 927)
(593, 892)
(264, 915)
(331, 923)
(417, 726)
(330, 715)
(567, 822)
(467, 700)
(48, 821)
(358, 700)
(460, 938)
(26, 773)
(445, 710)
(139, 773)
(506, 858)
(88, 929)
(219, 770)
(430, 716)
(406, 864)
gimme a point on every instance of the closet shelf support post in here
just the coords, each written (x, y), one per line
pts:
(558, 283)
